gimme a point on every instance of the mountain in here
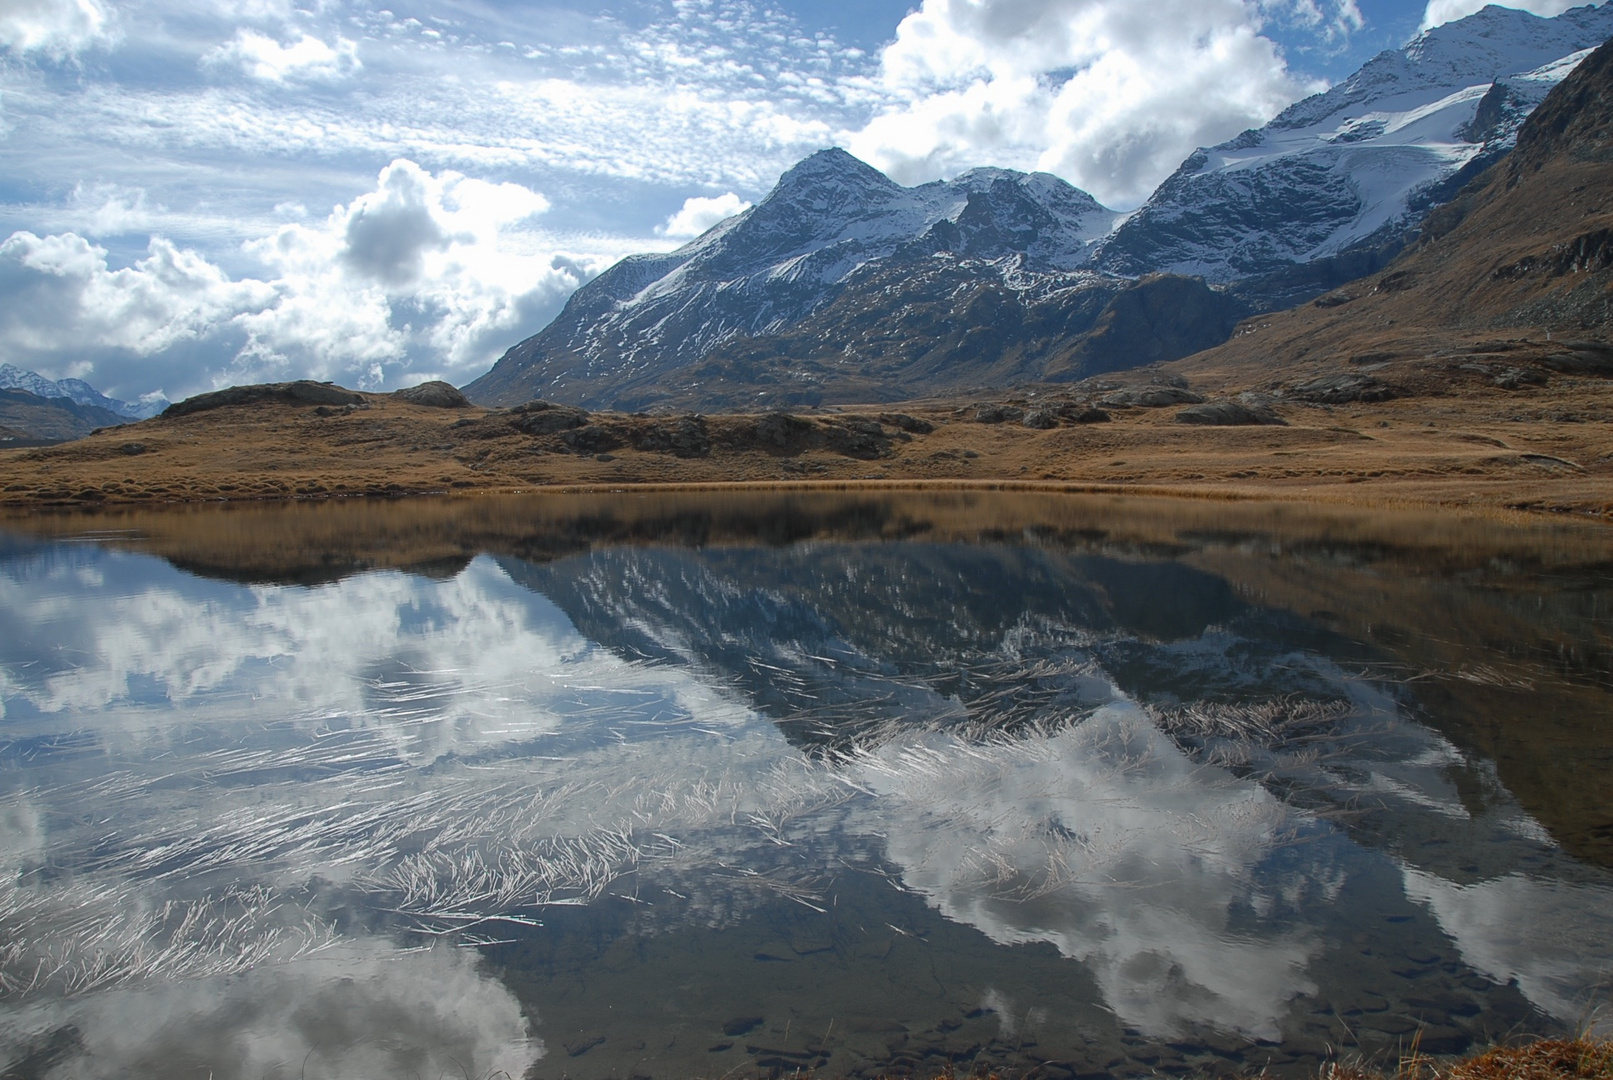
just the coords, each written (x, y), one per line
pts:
(842, 286)
(993, 252)
(1506, 288)
(28, 419)
(79, 392)
(1337, 183)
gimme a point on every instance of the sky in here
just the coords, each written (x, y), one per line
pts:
(198, 193)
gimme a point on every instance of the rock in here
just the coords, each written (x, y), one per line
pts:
(996, 414)
(591, 439)
(582, 1044)
(132, 448)
(781, 429)
(1585, 358)
(546, 418)
(741, 1025)
(301, 392)
(1150, 397)
(1517, 378)
(910, 424)
(856, 436)
(1226, 414)
(1342, 389)
(1041, 419)
(435, 394)
(684, 437)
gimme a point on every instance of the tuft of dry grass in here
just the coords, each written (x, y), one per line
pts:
(1542, 1059)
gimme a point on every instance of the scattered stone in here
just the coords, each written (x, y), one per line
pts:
(435, 394)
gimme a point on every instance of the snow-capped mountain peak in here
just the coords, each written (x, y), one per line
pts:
(1356, 167)
(79, 392)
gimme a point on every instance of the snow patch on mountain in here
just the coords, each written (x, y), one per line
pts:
(768, 268)
(79, 392)
(1359, 164)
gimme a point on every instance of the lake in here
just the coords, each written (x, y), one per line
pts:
(850, 783)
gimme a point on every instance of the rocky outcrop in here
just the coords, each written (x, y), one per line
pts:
(301, 392)
(434, 395)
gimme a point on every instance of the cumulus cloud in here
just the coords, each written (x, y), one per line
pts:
(54, 28)
(302, 58)
(1440, 12)
(1109, 94)
(369, 1009)
(1107, 841)
(425, 275)
(699, 214)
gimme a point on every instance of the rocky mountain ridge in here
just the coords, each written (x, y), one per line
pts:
(1337, 183)
(842, 286)
(831, 221)
(79, 392)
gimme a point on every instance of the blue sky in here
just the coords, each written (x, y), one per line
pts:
(198, 192)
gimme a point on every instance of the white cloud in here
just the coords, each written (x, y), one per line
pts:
(369, 1008)
(1440, 12)
(303, 58)
(700, 213)
(427, 274)
(55, 28)
(1109, 94)
(1108, 842)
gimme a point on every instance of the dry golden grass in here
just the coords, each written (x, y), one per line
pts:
(1544, 1059)
(1476, 448)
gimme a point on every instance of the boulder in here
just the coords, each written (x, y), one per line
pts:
(1227, 414)
(435, 394)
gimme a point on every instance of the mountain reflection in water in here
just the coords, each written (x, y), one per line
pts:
(862, 783)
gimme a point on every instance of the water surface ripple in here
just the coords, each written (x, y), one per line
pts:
(853, 784)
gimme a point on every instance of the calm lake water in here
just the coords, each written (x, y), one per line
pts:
(690, 787)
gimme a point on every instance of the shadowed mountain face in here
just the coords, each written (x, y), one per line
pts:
(834, 262)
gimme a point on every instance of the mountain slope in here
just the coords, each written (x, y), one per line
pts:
(1353, 170)
(831, 224)
(1510, 285)
(77, 391)
(27, 418)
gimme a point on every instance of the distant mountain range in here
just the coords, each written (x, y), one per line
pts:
(843, 286)
(79, 392)
(36, 409)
